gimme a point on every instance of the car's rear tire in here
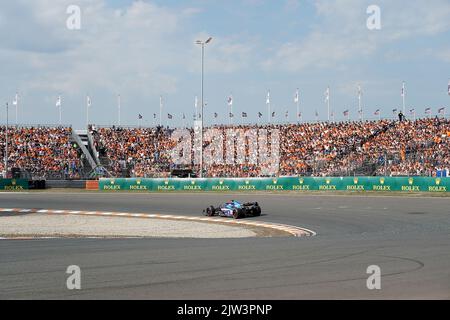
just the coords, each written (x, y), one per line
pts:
(257, 211)
(237, 214)
(210, 211)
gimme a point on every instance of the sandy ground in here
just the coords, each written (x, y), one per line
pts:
(41, 225)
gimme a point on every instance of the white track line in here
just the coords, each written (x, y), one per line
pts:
(293, 230)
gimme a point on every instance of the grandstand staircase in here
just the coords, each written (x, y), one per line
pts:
(91, 163)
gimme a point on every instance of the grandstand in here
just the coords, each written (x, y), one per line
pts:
(382, 147)
(45, 152)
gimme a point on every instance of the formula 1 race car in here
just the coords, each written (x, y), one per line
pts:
(234, 209)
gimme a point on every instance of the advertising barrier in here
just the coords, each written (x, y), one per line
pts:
(13, 184)
(405, 184)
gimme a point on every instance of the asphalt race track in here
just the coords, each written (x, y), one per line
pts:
(407, 237)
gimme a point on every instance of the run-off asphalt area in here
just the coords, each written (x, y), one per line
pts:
(407, 237)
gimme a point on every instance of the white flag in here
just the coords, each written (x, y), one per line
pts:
(359, 91)
(403, 90)
(296, 97)
(327, 94)
(196, 102)
(58, 102)
(230, 101)
(16, 99)
(88, 101)
(268, 97)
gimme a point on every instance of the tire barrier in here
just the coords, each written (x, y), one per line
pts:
(405, 184)
(36, 184)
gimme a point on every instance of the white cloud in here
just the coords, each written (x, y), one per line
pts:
(342, 36)
(444, 55)
(132, 48)
(223, 54)
(319, 50)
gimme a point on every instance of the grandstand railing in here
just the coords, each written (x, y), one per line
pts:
(37, 125)
(209, 123)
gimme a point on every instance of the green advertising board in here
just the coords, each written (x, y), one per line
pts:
(405, 184)
(13, 184)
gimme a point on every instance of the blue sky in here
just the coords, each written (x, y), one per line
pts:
(144, 49)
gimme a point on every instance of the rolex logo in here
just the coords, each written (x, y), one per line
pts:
(355, 180)
(166, 182)
(301, 181)
(438, 181)
(112, 182)
(410, 181)
(274, 181)
(138, 182)
(247, 182)
(13, 182)
(221, 181)
(328, 181)
(193, 182)
(382, 180)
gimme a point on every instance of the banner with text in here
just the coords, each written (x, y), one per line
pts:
(13, 184)
(407, 184)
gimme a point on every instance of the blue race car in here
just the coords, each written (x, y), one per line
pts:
(234, 209)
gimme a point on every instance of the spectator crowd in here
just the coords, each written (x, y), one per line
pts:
(383, 147)
(40, 151)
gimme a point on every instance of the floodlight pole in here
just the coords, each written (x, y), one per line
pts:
(6, 144)
(202, 43)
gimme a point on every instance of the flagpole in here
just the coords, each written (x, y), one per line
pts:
(119, 108)
(268, 106)
(231, 118)
(17, 106)
(196, 108)
(359, 104)
(160, 111)
(6, 142)
(87, 112)
(328, 103)
(328, 108)
(403, 96)
(231, 108)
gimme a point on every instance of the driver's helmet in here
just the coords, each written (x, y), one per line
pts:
(230, 202)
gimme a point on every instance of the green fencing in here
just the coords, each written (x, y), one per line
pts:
(406, 184)
(13, 184)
